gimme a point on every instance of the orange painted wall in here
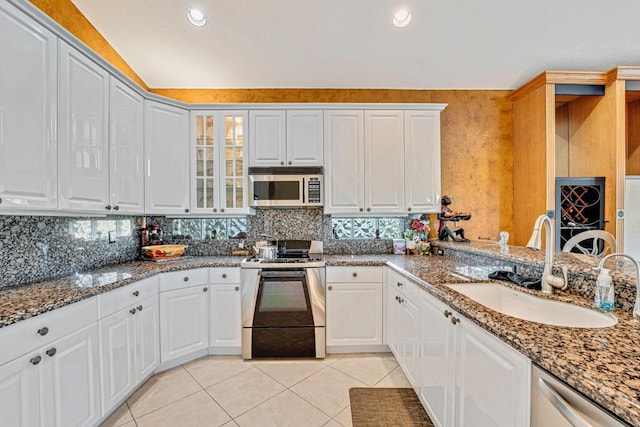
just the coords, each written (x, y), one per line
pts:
(477, 134)
(65, 13)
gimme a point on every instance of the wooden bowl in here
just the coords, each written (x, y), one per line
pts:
(164, 251)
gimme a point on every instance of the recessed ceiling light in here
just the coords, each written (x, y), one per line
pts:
(401, 18)
(196, 17)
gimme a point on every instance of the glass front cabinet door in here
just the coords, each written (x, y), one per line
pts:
(218, 167)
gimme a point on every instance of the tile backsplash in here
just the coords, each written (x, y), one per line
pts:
(39, 248)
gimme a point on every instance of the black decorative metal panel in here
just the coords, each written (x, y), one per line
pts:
(579, 207)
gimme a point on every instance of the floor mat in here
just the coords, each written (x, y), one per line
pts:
(387, 407)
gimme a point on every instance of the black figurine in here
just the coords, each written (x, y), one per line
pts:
(446, 214)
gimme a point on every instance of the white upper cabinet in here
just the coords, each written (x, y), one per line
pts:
(286, 138)
(218, 166)
(422, 161)
(83, 121)
(126, 174)
(384, 161)
(344, 160)
(268, 138)
(166, 138)
(28, 110)
(305, 138)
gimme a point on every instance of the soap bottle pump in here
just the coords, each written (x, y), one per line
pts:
(604, 298)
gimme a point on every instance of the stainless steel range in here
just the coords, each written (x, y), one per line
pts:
(283, 302)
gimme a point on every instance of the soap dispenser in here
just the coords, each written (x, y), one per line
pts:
(604, 291)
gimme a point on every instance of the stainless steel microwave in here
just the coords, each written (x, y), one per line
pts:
(286, 187)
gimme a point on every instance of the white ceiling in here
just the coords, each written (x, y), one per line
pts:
(449, 44)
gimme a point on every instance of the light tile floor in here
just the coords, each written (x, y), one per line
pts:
(228, 391)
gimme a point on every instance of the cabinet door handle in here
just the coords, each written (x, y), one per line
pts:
(289, 161)
(401, 300)
(399, 284)
(455, 320)
(205, 289)
(186, 211)
(368, 209)
(139, 308)
(136, 293)
(51, 352)
(447, 313)
(108, 207)
(409, 209)
(186, 278)
(35, 360)
(116, 208)
(330, 288)
(237, 288)
(355, 274)
(43, 331)
(224, 276)
(397, 298)
(361, 209)
(222, 210)
(215, 209)
(132, 311)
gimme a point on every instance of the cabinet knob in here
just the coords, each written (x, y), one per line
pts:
(282, 163)
(368, 209)
(237, 288)
(455, 320)
(132, 311)
(330, 288)
(51, 352)
(43, 331)
(116, 208)
(139, 308)
(289, 162)
(186, 211)
(360, 209)
(408, 209)
(136, 293)
(186, 278)
(355, 274)
(401, 300)
(108, 207)
(215, 209)
(205, 289)
(399, 284)
(224, 275)
(397, 298)
(0, 201)
(35, 360)
(447, 313)
(222, 210)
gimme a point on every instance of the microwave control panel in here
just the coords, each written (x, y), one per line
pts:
(313, 189)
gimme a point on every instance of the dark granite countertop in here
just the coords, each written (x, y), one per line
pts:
(603, 364)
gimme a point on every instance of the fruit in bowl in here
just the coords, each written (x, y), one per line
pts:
(164, 251)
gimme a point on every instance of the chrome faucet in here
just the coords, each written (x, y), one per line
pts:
(549, 281)
(636, 306)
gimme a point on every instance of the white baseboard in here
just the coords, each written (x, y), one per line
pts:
(180, 360)
(341, 349)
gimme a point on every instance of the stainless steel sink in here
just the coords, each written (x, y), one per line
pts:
(524, 306)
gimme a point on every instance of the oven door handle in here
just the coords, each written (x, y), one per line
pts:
(282, 274)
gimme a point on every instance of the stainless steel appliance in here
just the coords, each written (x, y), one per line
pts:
(286, 187)
(283, 303)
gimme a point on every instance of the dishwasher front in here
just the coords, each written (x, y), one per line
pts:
(554, 403)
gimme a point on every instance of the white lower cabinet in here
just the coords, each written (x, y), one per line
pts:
(56, 385)
(129, 349)
(225, 327)
(467, 376)
(354, 306)
(403, 324)
(184, 323)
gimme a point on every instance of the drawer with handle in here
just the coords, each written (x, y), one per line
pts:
(31, 334)
(183, 279)
(354, 274)
(224, 275)
(117, 299)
